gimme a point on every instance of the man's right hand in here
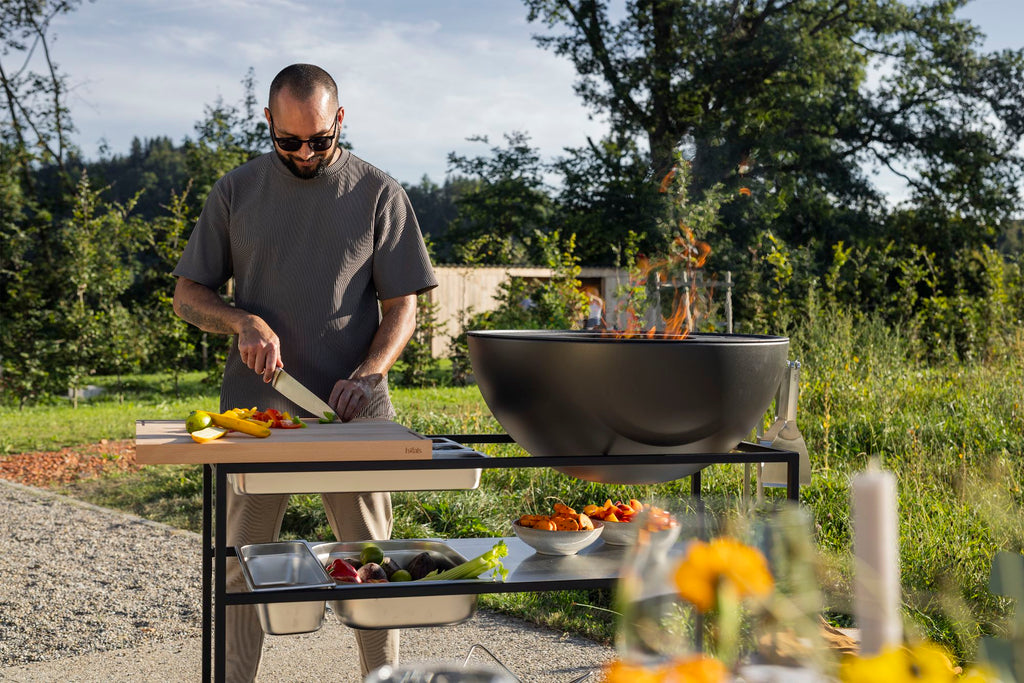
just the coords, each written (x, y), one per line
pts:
(259, 347)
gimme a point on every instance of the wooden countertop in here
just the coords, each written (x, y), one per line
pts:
(166, 442)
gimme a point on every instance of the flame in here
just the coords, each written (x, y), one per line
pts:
(666, 182)
(677, 269)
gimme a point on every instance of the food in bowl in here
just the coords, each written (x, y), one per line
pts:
(655, 519)
(548, 542)
(564, 533)
(623, 522)
(615, 512)
(564, 519)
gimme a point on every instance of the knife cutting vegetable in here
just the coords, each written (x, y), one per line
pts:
(294, 391)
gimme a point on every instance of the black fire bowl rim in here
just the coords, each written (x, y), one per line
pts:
(589, 336)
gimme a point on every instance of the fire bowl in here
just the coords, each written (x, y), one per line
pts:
(581, 393)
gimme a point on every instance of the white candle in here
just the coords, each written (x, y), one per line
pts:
(877, 595)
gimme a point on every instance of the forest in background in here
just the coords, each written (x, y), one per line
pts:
(775, 108)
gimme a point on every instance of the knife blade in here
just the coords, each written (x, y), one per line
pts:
(295, 392)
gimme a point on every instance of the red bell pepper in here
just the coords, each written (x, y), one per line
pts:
(342, 572)
(275, 419)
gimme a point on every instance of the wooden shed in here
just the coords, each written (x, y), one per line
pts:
(462, 289)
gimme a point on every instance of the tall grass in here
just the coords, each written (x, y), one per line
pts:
(952, 433)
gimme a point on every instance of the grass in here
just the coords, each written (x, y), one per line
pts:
(953, 434)
(57, 423)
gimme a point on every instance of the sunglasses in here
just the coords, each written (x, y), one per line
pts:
(320, 143)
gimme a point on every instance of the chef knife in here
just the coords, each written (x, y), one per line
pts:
(295, 392)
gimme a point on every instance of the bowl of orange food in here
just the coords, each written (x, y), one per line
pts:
(564, 533)
(623, 523)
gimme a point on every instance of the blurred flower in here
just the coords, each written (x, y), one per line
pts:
(925, 662)
(697, 669)
(621, 672)
(707, 566)
(745, 191)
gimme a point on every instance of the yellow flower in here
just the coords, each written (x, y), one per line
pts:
(979, 675)
(697, 669)
(621, 672)
(926, 662)
(887, 667)
(929, 662)
(724, 559)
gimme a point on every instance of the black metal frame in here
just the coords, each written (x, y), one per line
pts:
(215, 595)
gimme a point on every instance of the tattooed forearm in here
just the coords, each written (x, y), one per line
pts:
(203, 320)
(201, 306)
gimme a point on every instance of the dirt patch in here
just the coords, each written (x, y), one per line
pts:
(56, 468)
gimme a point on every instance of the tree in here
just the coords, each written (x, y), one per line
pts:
(436, 208)
(226, 137)
(417, 366)
(173, 341)
(37, 124)
(154, 165)
(98, 243)
(499, 216)
(34, 129)
(792, 98)
(607, 193)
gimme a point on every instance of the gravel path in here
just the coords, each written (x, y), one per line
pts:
(90, 594)
(78, 578)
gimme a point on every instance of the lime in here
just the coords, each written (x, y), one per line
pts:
(371, 553)
(401, 575)
(197, 420)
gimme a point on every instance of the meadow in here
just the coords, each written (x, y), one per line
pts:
(953, 434)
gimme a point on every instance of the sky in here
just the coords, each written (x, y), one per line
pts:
(416, 77)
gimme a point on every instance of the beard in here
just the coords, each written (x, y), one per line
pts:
(305, 173)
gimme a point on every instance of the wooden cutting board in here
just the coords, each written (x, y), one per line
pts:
(165, 442)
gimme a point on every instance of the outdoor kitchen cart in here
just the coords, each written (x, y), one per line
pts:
(528, 572)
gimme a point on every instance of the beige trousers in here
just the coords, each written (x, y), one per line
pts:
(257, 519)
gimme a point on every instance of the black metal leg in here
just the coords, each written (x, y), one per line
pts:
(793, 478)
(220, 580)
(207, 569)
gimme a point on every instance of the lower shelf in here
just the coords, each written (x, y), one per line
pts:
(597, 566)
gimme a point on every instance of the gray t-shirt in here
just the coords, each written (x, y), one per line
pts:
(312, 258)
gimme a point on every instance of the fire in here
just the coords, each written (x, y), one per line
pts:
(679, 271)
(676, 271)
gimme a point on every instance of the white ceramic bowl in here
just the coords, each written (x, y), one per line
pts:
(557, 542)
(625, 533)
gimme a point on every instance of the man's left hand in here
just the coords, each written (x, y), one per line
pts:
(350, 396)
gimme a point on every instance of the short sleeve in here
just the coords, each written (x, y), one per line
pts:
(206, 258)
(401, 264)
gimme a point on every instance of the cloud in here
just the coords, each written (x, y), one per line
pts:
(415, 79)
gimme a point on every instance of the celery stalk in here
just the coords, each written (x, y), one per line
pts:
(475, 567)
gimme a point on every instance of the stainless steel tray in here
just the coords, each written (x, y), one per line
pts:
(286, 565)
(380, 613)
(353, 481)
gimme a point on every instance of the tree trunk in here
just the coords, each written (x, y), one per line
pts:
(660, 134)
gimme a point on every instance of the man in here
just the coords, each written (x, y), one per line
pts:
(327, 259)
